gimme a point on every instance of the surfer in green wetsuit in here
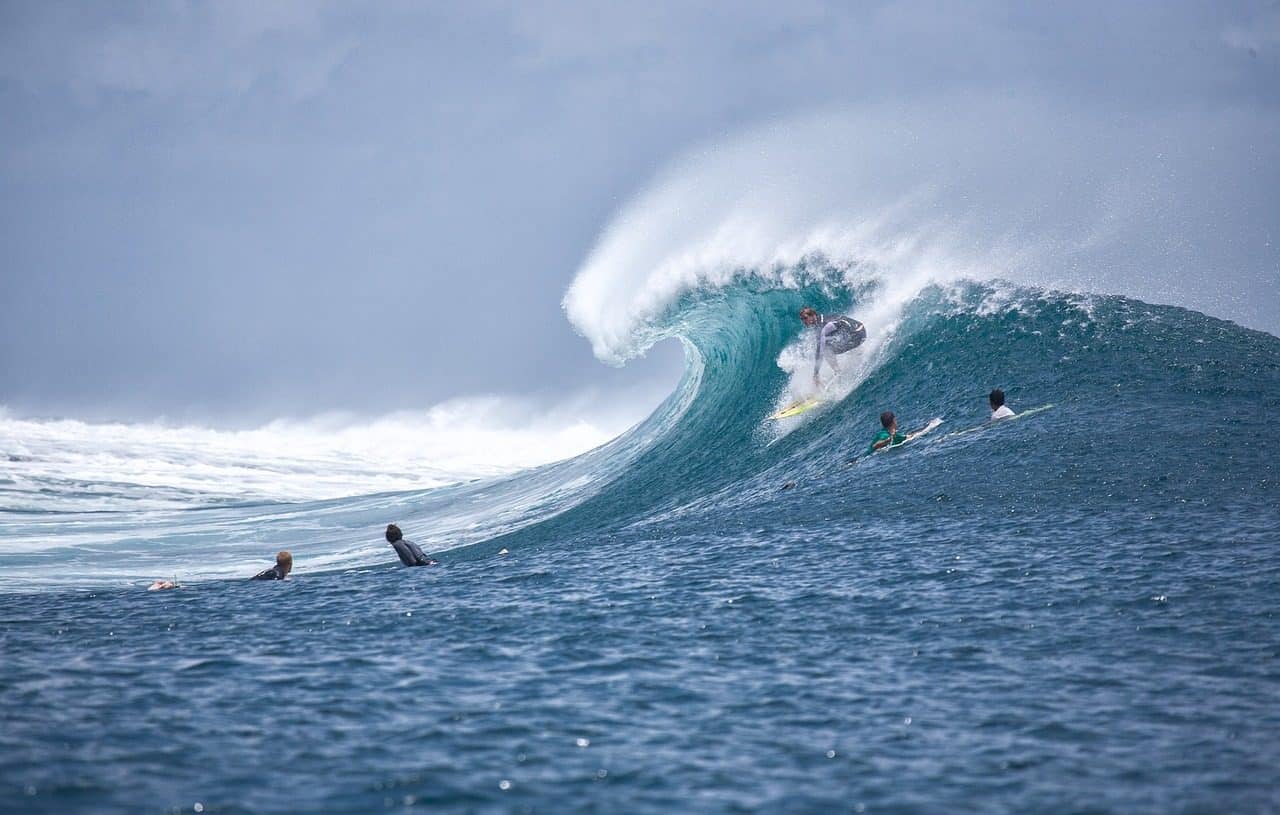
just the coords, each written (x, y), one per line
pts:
(890, 437)
(888, 434)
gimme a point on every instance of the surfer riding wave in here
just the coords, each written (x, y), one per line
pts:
(837, 334)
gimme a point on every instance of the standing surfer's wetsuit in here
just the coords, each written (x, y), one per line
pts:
(408, 551)
(836, 335)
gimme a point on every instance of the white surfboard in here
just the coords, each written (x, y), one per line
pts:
(1024, 414)
(924, 431)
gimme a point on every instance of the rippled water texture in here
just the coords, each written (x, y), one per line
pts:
(1075, 612)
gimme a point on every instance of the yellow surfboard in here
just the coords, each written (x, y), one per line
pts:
(796, 408)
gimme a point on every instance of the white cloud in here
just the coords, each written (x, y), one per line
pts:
(178, 47)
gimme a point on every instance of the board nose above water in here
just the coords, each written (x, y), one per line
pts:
(797, 408)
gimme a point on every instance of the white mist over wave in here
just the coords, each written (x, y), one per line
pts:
(1149, 206)
(68, 465)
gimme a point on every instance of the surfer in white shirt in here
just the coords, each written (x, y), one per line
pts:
(999, 410)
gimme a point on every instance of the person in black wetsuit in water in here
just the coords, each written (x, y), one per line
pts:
(407, 550)
(284, 565)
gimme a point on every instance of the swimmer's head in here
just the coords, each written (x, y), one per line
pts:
(393, 533)
(808, 316)
(285, 561)
(887, 420)
(996, 398)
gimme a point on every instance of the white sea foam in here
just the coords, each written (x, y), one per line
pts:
(73, 465)
(959, 188)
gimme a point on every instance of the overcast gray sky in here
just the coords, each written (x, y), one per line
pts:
(238, 210)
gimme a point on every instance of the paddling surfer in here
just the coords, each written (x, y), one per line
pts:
(999, 410)
(408, 551)
(837, 334)
(888, 434)
(284, 565)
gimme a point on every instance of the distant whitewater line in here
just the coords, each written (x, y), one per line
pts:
(70, 465)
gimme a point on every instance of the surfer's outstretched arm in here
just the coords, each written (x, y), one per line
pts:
(930, 426)
(812, 319)
(817, 355)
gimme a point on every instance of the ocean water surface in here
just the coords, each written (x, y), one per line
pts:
(1071, 612)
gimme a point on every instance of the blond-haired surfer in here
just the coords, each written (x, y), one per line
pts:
(284, 565)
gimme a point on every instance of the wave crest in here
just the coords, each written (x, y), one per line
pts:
(908, 197)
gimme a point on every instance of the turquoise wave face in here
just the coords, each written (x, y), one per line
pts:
(1164, 407)
(1156, 407)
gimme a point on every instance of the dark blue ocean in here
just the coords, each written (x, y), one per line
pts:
(1072, 612)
